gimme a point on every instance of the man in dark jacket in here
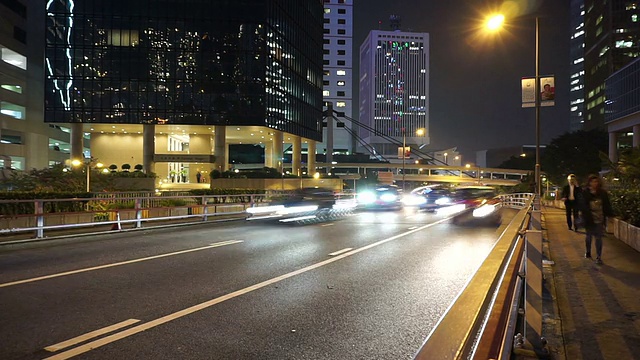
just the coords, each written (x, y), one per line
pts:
(571, 195)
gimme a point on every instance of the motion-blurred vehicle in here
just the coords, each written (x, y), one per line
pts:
(475, 205)
(380, 197)
(428, 198)
(303, 206)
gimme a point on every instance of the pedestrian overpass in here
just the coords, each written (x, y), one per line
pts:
(427, 173)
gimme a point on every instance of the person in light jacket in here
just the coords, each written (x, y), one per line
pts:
(595, 206)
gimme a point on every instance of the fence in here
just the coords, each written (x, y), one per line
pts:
(116, 209)
(482, 321)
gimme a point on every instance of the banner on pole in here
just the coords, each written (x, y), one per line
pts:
(548, 91)
(528, 92)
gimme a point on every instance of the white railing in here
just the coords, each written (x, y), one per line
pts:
(40, 215)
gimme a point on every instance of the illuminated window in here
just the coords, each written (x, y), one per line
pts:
(341, 104)
(11, 57)
(327, 11)
(14, 88)
(341, 83)
(634, 18)
(13, 110)
(325, 93)
(341, 72)
(123, 38)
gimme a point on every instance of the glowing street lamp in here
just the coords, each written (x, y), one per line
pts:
(78, 163)
(419, 132)
(493, 24)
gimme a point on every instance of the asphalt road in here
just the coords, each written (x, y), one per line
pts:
(239, 290)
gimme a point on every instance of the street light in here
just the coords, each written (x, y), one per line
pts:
(494, 23)
(77, 163)
(445, 159)
(419, 132)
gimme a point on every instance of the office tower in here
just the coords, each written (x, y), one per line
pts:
(394, 89)
(576, 86)
(338, 75)
(612, 40)
(154, 79)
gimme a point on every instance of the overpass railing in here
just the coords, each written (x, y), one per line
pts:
(117, 209)
(484, 322)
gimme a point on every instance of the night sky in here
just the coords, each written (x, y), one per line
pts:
(475, 78)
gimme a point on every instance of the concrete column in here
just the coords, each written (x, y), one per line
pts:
(330, 121)
(220, 149)
(276, 150)
(613, 147)
(77, 141)
(296, 158)
(636, 136)
(311, 157)
(268, 158)
(148, 147)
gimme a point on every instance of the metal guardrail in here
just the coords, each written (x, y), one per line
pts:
(117, 210)
(482, 320)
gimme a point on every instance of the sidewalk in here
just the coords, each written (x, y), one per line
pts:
(591, 311)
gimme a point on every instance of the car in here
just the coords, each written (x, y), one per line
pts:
(429, 198)
(380, 197)
(302, 206)
(474, 205)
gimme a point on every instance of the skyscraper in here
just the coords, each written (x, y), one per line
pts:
(394, 89)
(576, 86)
(612, 40)
(338, 64)
(194, 75)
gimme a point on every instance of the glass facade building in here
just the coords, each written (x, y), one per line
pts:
(576, 52)
(612, 40)
(192, 62)
(623, 92)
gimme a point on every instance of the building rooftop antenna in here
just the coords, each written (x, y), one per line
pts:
(395, 22)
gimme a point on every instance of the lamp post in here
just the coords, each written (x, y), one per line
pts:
(419, 132)
(445, 159)
(87, 164)
(494, 23)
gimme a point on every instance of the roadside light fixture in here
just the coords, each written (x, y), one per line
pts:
(468, 166)
(495, 21)
(316, 175)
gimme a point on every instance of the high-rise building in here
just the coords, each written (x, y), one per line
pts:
(612, 40)
(394, 89)
(338, 70)
(26, 142)
(169, 84)
(576, 86)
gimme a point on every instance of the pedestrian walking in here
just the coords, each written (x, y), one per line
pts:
(198, 177)
(571, 195)
(595, 206)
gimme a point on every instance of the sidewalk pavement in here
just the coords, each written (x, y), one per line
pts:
(592, 312)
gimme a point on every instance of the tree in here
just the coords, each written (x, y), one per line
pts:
(519, 163)
(574, 153)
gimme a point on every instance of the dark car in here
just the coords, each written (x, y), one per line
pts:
(380, 197)
(429, 198)
(476, 205)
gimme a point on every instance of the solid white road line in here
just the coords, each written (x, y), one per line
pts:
(340, 251)
(90, 335)
(413, 227)
(222, 243)
(328, 224)
(190, 310)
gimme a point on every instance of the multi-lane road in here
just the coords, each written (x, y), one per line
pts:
(369, 286)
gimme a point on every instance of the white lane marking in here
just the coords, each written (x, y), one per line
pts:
(222, 243)
(190, 310)
(328, 224)
(340, 251)
(413, 227)
(90, 335)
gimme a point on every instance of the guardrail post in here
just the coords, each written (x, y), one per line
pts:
(39, 212)
(138, 213)
(205, 209)
(533, 288)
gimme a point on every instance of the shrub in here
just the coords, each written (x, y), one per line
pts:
(126, 167)
(626, 204)
(138, 167)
